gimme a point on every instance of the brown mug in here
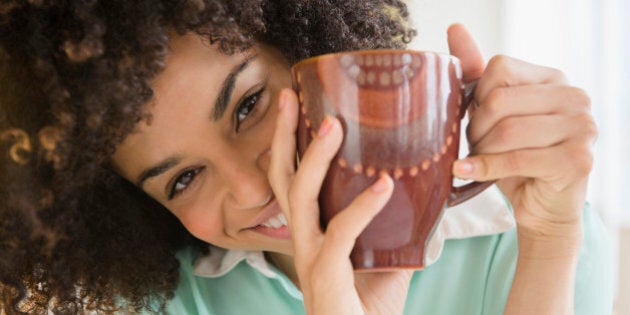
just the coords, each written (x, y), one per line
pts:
(401, 112)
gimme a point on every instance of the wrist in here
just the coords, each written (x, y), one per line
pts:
(550, 242)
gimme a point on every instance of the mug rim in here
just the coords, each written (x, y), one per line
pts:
(372, 52)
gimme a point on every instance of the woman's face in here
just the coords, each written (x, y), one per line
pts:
(205, 153)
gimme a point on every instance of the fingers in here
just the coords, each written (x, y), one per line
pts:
(298, 191)
(304, 191)
(526, 100)
(462, 45)
(282, 165)
(529, 124)
(345, 227)
(503, 71)
(542, 131)
(316, 160)
(332, 262)
(559, 165)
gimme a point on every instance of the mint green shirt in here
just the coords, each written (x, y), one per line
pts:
(472, 276)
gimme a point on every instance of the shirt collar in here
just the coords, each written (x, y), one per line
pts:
(486, 214)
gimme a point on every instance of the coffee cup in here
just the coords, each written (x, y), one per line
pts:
(401, 113)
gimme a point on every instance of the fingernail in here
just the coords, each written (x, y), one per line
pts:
(380, 185)
(326, 126)
(464, 167)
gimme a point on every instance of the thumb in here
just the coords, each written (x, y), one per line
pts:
(462, 45)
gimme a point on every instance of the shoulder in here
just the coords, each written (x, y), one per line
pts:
(224, 292)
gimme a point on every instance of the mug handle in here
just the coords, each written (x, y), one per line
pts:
(467, 191)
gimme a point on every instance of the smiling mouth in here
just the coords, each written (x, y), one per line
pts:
(275, 227)
(275, 222)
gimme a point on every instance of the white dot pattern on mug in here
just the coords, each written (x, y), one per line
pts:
(396, 173)
(376, 70)
(369, 70)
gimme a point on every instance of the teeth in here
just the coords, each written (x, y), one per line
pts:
(276, 222)
(283, 219)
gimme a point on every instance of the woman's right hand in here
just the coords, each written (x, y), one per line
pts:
(322, 262)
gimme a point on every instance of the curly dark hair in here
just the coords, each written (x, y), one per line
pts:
(74, 78)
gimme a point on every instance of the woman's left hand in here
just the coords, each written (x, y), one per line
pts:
(533, 133)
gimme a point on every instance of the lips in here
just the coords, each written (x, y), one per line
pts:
(272, 223)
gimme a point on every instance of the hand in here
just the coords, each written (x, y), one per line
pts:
(322, 262)
(531, 132)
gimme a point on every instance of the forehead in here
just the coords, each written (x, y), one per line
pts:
(191, 60)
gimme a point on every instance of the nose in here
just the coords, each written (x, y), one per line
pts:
(246, 181)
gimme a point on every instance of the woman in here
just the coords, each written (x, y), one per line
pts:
(134, 134)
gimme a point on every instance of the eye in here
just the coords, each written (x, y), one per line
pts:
(183, 181)
(246, 107)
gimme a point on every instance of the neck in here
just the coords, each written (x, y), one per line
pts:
(286, 264)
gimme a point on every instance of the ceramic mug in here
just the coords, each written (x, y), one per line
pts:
(401, 112)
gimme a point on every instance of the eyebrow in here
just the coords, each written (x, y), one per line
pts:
(158, 169)
(228, 87)
(219, 109)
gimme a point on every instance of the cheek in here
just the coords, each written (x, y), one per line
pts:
(204, 224)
